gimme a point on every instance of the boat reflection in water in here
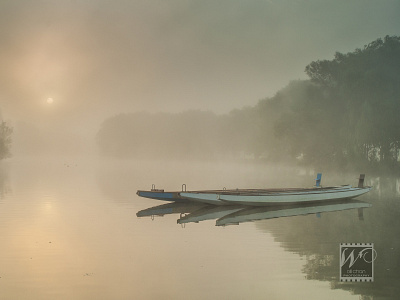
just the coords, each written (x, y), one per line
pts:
(170, 208)
(235, 214)
(211, 212)
(250, 214)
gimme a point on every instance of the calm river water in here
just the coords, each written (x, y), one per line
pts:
(75, 229)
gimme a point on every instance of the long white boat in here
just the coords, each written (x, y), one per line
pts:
(257, 197)
(284, 196)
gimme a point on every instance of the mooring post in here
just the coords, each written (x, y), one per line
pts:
(361, 181)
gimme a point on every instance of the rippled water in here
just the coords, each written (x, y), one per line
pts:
(69, 230)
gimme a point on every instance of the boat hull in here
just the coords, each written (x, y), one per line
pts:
(160, 195)
(276, 197)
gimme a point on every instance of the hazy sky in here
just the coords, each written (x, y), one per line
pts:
(96, 58)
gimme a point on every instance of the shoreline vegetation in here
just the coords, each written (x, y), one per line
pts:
(345, 116)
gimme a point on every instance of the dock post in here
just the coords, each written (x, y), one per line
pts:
(361, 181)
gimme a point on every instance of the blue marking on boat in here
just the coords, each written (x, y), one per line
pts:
(318, 180)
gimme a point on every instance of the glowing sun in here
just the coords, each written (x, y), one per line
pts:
(50, 100)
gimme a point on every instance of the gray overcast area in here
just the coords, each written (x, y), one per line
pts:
(95, 59)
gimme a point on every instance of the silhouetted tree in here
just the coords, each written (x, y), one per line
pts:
(366, 85)
(5, 140)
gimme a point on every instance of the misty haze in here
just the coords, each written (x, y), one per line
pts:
(102, 99)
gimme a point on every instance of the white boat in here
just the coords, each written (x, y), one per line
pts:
(284, 196)
(278, 196)
(263, 196)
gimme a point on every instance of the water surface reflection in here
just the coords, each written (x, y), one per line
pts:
(314, 232)
(69, 230)
(236, 214)
(317, 241)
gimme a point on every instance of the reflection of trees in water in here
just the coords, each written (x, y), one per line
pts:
(319, 267)
(4, 186)
(390, 187)
(317, 241)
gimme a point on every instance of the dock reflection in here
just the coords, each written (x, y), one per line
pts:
(192, 212)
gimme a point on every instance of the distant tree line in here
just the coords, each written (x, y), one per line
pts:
(5, 140)
(346, 113)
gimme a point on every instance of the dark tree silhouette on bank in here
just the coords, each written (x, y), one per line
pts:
(5, 140)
